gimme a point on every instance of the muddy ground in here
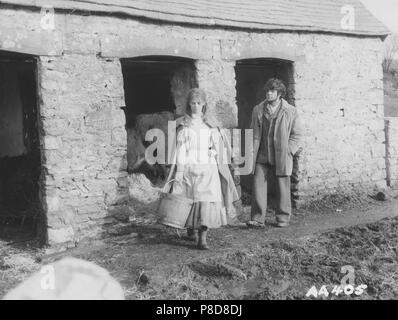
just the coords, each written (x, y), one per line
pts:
(154, 262)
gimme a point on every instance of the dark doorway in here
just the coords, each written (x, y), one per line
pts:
(20, 165)
(156, 83)
(156, 90)
(251, 76)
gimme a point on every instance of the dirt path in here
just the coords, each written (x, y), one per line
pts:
(151, 260)
(158, 253)
(304, 225)
(149, 244)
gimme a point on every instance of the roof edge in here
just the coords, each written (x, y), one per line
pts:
(185, 20)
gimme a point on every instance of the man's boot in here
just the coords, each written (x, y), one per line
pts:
(202, 244)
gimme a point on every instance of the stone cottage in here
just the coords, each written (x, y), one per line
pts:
(69, 69)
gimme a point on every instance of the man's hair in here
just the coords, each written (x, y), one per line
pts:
(196, 93)
(276, 84)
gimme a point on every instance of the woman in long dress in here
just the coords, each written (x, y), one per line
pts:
(198, 174)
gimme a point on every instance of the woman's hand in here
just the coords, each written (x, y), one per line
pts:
(212, 154)
(177, 184)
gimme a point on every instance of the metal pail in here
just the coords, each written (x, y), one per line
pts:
(174, 210)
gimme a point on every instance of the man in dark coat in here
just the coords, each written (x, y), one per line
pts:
(277, 133)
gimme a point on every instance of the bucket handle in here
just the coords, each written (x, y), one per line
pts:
(164, 187)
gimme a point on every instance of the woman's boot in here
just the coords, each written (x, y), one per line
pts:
(192, 235)
(202, 244)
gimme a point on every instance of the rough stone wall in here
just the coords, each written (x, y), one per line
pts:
(338, 91)
(84, 143)
(217, 78)
(392, 151)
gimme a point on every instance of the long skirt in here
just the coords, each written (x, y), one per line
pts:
(201, 183)
(206, 214)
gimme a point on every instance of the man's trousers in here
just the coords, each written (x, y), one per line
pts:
(262, 175)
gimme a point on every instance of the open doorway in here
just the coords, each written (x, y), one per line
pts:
(156, 90)
(20, 165)
(251, 76)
